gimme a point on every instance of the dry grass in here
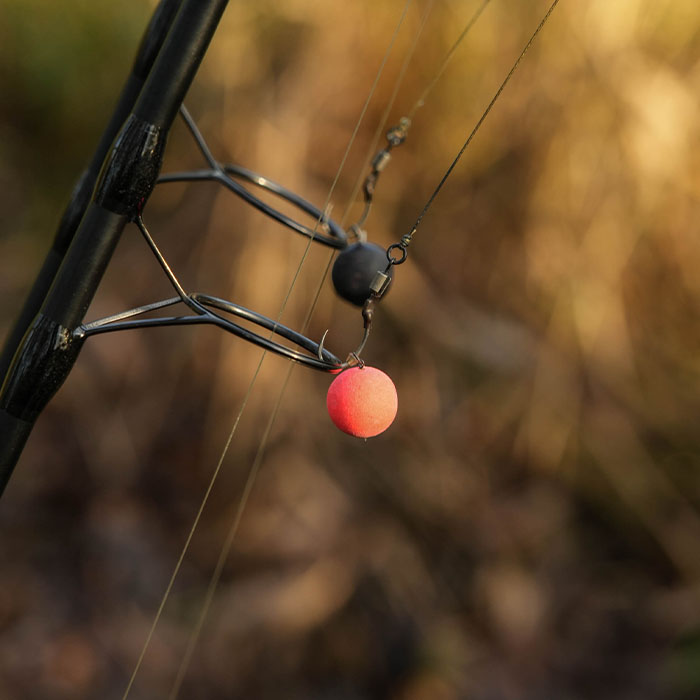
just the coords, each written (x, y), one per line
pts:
(529, 527)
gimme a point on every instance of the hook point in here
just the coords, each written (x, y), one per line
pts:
(320, 346)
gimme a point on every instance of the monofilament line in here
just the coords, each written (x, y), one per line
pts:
(382, 122)
(472, 21)
(261, 449)
(254, 468)
(480, 122)
(190, 535)
(228, 544)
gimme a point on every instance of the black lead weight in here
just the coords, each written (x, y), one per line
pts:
(355, 270)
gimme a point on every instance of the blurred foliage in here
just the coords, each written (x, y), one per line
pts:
(529, 528)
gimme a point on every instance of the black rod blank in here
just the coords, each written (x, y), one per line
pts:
(128, 175)
(150, 45)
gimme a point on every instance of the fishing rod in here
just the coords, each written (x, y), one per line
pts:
(129, 172)
(170, 54)
(48, 336)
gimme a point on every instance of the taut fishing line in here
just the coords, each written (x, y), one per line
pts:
(260, 453)
(320, 219)
(342, 402)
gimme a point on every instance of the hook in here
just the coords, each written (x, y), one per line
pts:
(355, 354)
(367, 314)
(319, 352)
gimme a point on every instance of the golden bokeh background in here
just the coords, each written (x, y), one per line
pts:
(530, 525)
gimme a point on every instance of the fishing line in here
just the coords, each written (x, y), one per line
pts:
(385, 117)
(404, 243)
(254, 468)
(225, 551)
(472, 21)
(409, 236)
(228, 543)
(192, 530)
(380, 129)
(263, 444)
(259, 455)
(370, 151)
(252, 474)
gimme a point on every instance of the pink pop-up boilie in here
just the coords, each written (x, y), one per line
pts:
(362, 401)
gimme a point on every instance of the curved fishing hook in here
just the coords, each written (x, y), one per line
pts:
(353, 356)
(367, 315)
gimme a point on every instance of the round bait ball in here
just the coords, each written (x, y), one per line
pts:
(362, 401)
(355, 268)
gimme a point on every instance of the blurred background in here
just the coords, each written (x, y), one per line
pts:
(529, 527)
